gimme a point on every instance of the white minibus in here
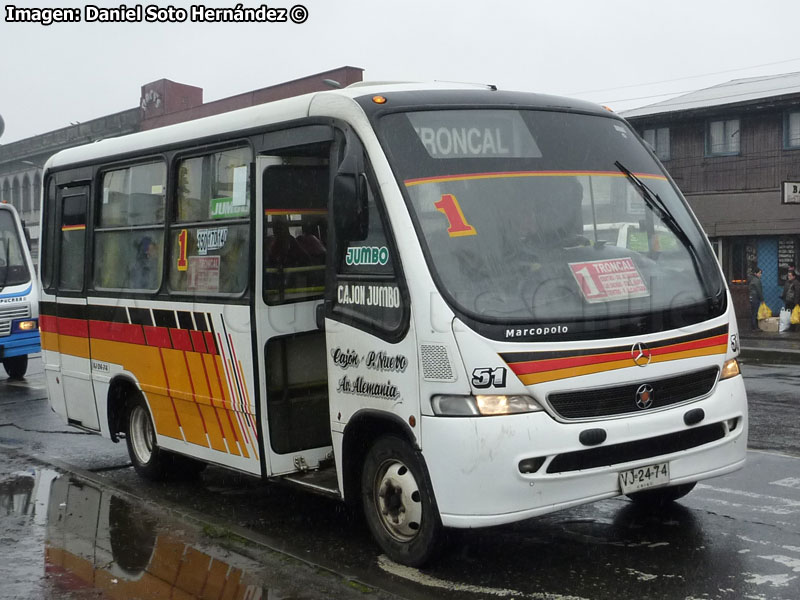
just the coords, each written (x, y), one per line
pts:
(387, 294)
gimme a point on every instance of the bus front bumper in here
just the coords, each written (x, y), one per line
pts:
(474, 462)
(19, 344)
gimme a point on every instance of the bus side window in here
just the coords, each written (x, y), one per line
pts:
(295, 231)
(370, 256)
(48, 237)
(73, 238)
(129, 235)
(369, 292)
(210, 232)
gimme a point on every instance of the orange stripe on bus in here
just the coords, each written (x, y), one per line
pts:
(511, 174)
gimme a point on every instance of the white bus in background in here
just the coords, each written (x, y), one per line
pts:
(19, 296)
(388, 295)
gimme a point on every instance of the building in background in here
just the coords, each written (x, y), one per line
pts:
(734, 151)
(162, 102)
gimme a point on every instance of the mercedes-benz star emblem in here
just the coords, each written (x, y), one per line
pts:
(644, 396)
(641, 354)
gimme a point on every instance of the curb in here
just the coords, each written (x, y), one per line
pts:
(771, 355)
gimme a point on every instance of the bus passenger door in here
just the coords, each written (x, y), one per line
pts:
(72, 320)
(292, 194)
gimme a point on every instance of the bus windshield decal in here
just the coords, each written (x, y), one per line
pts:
(610, 279)
(474, 133)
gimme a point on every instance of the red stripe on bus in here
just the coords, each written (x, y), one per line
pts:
(212, 347)
(157, 336)
(704, 343)
(116, 332)
(552, 364)
(198, 341)
(75, 327)
(180, 339)
(48, 323)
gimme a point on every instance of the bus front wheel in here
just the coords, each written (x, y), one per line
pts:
(398, 502)
(16, 366)
(661, 497)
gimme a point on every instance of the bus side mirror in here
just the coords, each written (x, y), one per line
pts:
(27, 236)
(350, 208)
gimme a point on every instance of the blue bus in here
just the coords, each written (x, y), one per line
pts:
(19, 296)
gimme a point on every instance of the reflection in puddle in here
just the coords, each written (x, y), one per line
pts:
(100, 545)
(98, 540)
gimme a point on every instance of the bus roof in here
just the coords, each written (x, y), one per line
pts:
(297, 107)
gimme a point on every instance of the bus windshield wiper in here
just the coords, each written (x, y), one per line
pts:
(654, 201)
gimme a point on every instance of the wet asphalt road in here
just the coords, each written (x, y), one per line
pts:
(231, 536)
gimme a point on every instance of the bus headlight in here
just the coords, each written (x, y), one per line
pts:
(27, 325)
(454, 406)
(730, 369)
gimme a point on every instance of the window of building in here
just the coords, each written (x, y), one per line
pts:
(791, 130)
(742, 259)
(210, 237)
(26, 196)
(129, 236)
(658, 138)
(722, 137)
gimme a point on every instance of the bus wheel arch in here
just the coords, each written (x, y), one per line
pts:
(388, 476)
(361, 432)
(121, 392)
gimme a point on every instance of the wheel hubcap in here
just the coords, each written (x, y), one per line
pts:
(142, 434)
(397, 498)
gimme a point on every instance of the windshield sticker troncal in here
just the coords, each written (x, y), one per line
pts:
(539, 367)
(610, 279)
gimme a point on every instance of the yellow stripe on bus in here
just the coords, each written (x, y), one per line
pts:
(74, 346)
(208, 409)
(164, 416)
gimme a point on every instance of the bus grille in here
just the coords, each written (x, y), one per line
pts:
(12, 312)
(604, 456)
(621, 399)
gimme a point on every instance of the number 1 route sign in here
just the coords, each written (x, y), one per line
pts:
(607, 280)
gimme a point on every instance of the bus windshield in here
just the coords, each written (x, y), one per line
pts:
(13, 269)
(524, 216)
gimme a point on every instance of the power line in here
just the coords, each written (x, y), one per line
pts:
(715, 99)
(634, 85)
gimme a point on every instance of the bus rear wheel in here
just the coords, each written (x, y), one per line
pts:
(660, 497)
(16, 366)
(398, 502)
(148, 459)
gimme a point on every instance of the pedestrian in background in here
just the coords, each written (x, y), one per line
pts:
(756, 293)
(791, 290)
(791, 294)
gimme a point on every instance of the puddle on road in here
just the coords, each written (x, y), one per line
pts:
(66, 538)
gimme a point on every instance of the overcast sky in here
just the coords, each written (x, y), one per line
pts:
(624, 53)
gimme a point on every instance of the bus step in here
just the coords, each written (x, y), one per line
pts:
(322, 482)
